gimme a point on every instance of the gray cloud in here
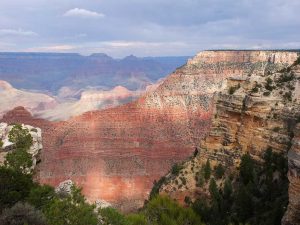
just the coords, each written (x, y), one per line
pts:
(157, 27)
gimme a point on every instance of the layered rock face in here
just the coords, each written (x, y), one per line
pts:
(253, 113)
(292, 215)
(116, 154)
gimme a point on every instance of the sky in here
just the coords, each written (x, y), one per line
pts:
(147, 27)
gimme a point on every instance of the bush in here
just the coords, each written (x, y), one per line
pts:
(22, 214)
(20, 137)
(164, 211)
(247, 169)
(288, 96)
(206, 170)
(266, 93)
(219, 171)
(1, 143)
(233, 89)
(14, 185)
(41, 196)
(254, 90)
(176, 169)
(157, 186)
(268, 84)
(72, 210)
(286, 77)
(20, 160)
(111, 216)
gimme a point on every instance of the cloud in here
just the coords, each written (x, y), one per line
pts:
(52, 48)
(83, 13)
(16, 32)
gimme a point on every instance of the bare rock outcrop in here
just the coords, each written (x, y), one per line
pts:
(253, 113)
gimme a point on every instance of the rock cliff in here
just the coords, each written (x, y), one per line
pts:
(255, 111)
(116, 154)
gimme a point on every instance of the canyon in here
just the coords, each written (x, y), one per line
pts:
(116, 154)
(69, 73)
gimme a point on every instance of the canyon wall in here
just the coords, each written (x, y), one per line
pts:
(116, 154)
(252, 114)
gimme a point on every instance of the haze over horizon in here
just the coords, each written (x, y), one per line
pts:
(143, 28)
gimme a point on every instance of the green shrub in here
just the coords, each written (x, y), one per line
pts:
(233, 89)
(288, 96)
(164, 211)
(41, 196)
(268, 84)
(255, 89)
(187, 200)
(286, 77)
(156, 186)
(14, 185)
(111, 216)
(72, 210)
(20, 137)
(206, 170)
(20, 160)
(176, 169)
(219, 171)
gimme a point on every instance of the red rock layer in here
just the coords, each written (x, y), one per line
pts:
(116, 154)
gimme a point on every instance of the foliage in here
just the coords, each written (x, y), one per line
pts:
(156, 186)
(206, 170)
(14, 185)
(72, 210)
(176, 169)
(22, 213)
(288, 96)
(254, 89)
(257, 196)
(1, 143)
(219, 171)
(163, 211)
(233, 89)
(41, 196)
(286, 77)
(268, 84)
(196, 152)
(111, 216)
(19, 159)
(20, 137)
(247, 169)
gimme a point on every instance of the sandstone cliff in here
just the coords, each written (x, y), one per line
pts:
(116, 154)
(255, 111)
